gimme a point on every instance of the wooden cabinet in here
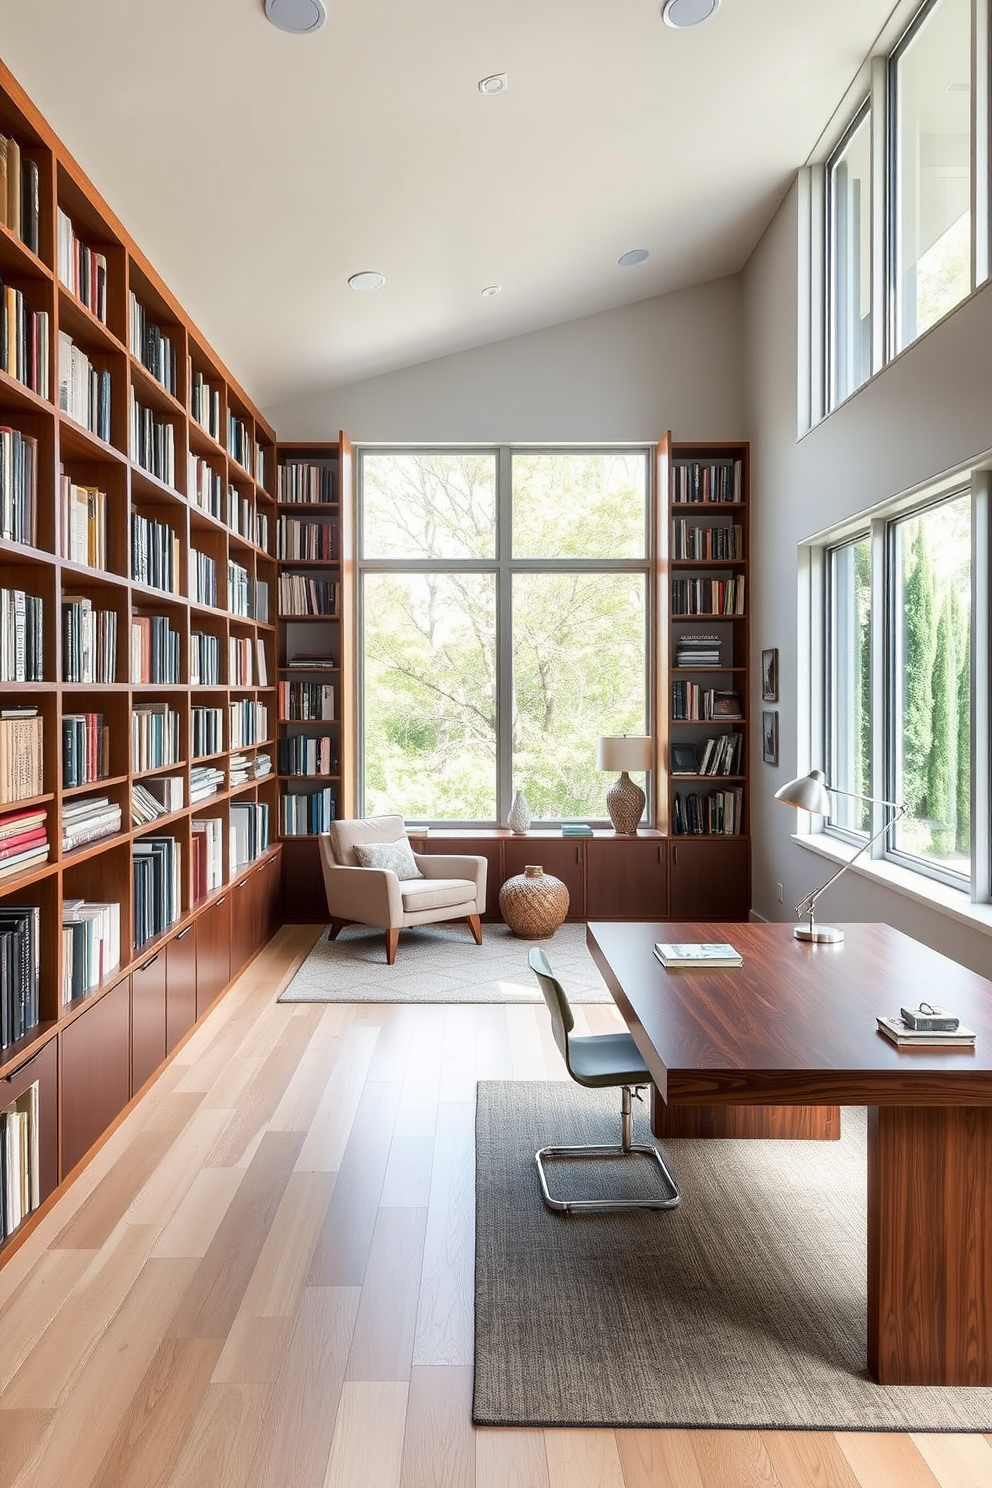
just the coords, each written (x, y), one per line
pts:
(148, 991)
(627, 878)
(709, 880)
(556, 855)
(213, 953)
(480, 846)
(302, 887)
(242, 898)
(96, 1072)
(180, 986)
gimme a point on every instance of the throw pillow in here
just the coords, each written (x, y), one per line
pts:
(396, 856)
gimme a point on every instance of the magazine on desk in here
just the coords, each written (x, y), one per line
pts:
(697, 953)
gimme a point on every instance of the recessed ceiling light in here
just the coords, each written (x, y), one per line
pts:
(494, 83)
(684, 13)
(491, 290)
(635, 256)
(367, 279)
(298, 16)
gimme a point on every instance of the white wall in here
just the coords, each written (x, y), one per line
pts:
(929, 411)
(673, 362)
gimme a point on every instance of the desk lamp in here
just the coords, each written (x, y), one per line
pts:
(812, 793)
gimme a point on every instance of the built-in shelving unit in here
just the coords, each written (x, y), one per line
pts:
(140, 511)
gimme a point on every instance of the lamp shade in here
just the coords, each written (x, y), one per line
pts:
(808, 792)
(625, 752)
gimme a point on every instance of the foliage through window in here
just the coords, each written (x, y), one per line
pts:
(504, 627)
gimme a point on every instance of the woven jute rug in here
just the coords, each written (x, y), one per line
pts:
(442, 963)
(743, 1307)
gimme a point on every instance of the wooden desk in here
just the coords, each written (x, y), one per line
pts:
(795, 1026)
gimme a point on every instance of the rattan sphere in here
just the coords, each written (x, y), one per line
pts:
(534, 903)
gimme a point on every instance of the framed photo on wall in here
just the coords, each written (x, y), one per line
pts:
(769, 676)
(769, 737)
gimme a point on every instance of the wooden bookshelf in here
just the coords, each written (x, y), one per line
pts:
(90, 1055)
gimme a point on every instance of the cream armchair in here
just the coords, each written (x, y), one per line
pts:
(448, 888)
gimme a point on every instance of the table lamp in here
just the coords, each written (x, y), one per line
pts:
(812, 793)
(624, 799)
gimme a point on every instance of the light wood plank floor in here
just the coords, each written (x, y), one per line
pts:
(264, 1278)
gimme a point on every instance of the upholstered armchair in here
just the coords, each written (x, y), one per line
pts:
(373, 877)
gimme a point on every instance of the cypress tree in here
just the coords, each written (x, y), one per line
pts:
(942, 772)
(963, 782)
(919, 645)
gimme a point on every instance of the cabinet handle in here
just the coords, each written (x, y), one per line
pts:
(578, 855)
(183, 933)
(675, 856)
(661, 855)
(13, 1074)
(150, 962)
(222, 899)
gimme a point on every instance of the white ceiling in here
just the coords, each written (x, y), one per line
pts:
(257, 170)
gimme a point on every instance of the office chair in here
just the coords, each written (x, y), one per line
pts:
(608, 1059)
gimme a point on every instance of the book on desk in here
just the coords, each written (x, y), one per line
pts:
(899, 1031)
(709, 954)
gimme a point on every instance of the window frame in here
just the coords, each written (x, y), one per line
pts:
(503, 565)
(863, 116)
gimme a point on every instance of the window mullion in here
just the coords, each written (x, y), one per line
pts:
(504, 633)
(981, 687)
(884, 672)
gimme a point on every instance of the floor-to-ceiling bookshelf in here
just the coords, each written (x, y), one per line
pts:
(138, 506)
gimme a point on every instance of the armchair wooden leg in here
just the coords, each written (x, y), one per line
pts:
(392, 942)
(475, 925)
(336, 927)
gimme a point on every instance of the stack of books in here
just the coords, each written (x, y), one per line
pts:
(927, 1027)
(576, 829)
(204, 781)
(23, 842)
(701, 954)
(697, 651)
(87, 819)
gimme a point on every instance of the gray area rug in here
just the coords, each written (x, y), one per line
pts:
(743, 1307)
(442, 963)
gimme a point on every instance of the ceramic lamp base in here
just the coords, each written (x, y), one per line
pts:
(625, 803)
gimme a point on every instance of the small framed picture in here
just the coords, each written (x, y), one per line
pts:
(769, 737)
(769, 675)
(684, 759)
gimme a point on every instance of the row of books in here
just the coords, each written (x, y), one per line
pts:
(157, 878)
(307, 484)
(204, 486)
(204, 403)
(696, 481)
(21, 636)
(720, 812)
(303, 754)
(24, 340)
(208, 731)
(245, 595)
(87, 819)
(721, 755)
(698, 543)
(152, 442)
(239, 441)
(204, 659)
(239, 514)
(302, 815)
(18, 486)
(311, 661)
(154, 553)
(23, 841)
(20, 1167)
(82, 523)
(246, 659)
(155, 650)
(304, 700)
(146, 806)
(155, 736)
(21, 740)
(207, 850)
(299, 594)
(91, 945)
(151, 346)
(249, 722)
(310, 540)
(696, 650)
(81, 269)
(204, 574)
(85, 749)
(249, 829)
(690, 703)
(84, 389)
(708, 596)
(19, 192)
(89, 641)
(20, 974)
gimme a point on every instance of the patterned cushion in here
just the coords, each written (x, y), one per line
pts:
(396, 856)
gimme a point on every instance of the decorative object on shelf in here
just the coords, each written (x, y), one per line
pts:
(533, 903)
(769, 675)
(812, 793)
(624, 799)
(769, 736)
(519, 818)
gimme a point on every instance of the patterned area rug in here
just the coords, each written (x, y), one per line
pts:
(442, 963)
(743, 1307)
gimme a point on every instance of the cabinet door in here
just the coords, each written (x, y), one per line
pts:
(269, 889)
(148, 985)
(709, 879)
(561, 858)
(303, 882)
(626, 878)
(180, 987)
(96, 1072)
(242, 920)
(213, 953)
(39, 1069)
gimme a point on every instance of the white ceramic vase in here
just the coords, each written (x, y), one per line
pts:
(519, 817)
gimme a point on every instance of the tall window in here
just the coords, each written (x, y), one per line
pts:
(848, 681)
(504, 627)
(849, 229)
(930, 81)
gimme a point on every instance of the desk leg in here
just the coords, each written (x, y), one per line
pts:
(802, 1123)
(930, 1245)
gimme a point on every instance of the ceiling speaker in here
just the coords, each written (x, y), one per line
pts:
(297, 16)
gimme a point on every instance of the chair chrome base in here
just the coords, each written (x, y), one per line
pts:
(624, 1150)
